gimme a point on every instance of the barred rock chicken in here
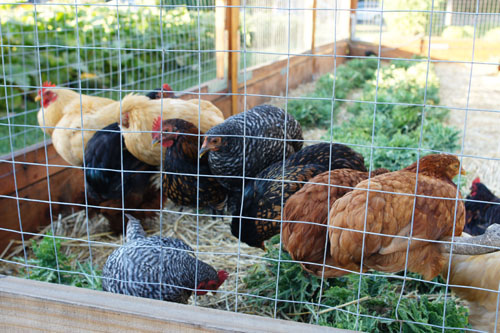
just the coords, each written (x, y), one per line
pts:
(262, 202)
(138, 267)
(57, 101)
(104, 187)
(224, 143)
(181, 156)
(305, 242)
(481, 215)
(391, 214)
(136, 122)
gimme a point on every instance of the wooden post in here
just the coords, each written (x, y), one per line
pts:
(234, 45)
(352, 18)
(313, 40)
(220, 38)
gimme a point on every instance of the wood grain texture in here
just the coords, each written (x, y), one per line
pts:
(29, 306)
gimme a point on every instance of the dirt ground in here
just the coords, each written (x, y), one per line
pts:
(482, 131)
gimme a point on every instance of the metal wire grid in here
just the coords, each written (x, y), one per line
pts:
(98, 51)
(246, 51)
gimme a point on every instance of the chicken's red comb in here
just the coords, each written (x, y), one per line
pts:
(475, 181)
(223, 275)
(157, 124)
(46, 84)
(166, 87)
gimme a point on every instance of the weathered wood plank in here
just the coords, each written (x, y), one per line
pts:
(27, 305)
(28, 174)
(65, 186)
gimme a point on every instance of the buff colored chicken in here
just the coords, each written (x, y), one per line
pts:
(477, 271)
(56, 102)
(391, 214)
(305, 241)
(70, 113)
(137, 122)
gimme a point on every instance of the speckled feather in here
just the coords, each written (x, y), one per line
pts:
(305, 241)
(182, 157)
(262, 198)
(263, 121)
(137, 267)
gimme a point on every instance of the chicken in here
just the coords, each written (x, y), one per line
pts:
(181, 157)
(263, 198)
(224, 143)
(479, 271)
(67, 136)
(137, 267)
(474, 275)
(137, 120)
(56, 102)
(480, 215)
(104, 187)
(164, 92)
(391, 214)
(305, 242)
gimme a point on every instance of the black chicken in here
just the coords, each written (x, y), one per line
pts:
(103, 175)
(180, 138)
(138, 267)
(264, 131)
(262, 200)
(158, 94)
(480, 215)
(103, 162)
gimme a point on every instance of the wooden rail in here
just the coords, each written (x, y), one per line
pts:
(32, 306)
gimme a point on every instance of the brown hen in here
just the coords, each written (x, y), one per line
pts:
(391, 214)
(306, 241)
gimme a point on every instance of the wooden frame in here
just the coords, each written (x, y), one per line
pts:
(27, 305)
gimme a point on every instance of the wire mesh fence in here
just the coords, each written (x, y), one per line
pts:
(369, 106)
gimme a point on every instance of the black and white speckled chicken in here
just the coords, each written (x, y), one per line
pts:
(138, 267)
(180, 139)
(263, 126)
(263, 198)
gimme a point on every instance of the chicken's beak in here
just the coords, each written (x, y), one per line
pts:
(204, 148)
(38, 98)
(463, 172)
(155, 142)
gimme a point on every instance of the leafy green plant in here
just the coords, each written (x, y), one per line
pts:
(318, 113)
(52, 265)
(132, 47)
(392, 125)
(378, 298)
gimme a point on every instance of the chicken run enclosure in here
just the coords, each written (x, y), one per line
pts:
(354, 213)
